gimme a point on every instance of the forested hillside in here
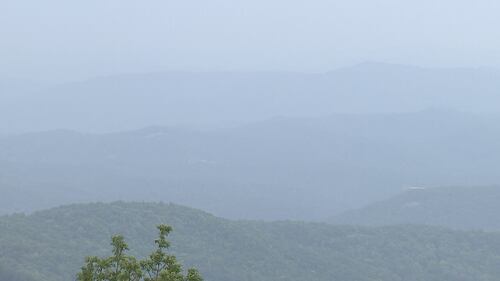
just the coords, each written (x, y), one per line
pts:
(50, 246)
(473, 208)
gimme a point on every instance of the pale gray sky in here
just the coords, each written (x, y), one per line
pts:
(60, 39)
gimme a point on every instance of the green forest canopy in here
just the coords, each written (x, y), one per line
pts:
(51, 246)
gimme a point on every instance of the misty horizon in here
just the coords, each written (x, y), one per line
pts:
(57, 41)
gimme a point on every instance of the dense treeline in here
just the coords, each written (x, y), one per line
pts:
(51, 245)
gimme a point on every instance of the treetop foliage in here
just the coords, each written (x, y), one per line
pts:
(158, 266)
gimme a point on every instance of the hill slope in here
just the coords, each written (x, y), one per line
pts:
(455, 207)
(50, 245)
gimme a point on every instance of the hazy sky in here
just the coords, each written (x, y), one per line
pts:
(61, 39)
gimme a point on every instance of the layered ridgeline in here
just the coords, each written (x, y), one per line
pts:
(124, 102)
(283, 168)
(472, 208)
(50, 246)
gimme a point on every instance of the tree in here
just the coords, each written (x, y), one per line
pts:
(159, 266)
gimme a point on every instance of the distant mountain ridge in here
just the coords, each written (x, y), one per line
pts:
(283, 168)
(221, 99)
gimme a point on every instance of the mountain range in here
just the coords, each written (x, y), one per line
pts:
(283, 168)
